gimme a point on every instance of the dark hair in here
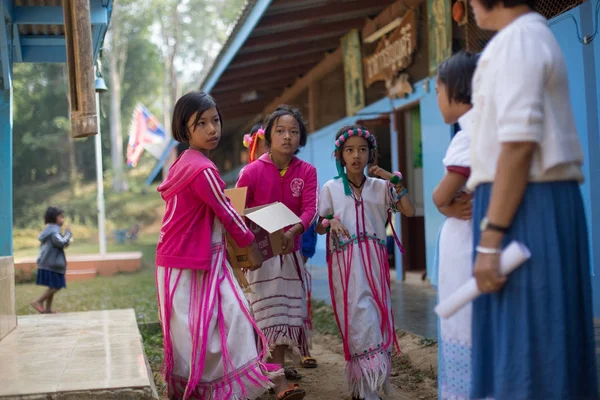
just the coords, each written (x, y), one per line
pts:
(373, 154)
(489, 4)
(255, 128)
(456, 73)
(186, 106)
(280, 112)
(52, 214)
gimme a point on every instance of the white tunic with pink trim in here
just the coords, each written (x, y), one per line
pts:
(359, 279)
(209, 333)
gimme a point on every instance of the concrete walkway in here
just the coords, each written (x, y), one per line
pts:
(85, 355)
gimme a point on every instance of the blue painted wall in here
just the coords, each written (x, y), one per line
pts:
(583, 68)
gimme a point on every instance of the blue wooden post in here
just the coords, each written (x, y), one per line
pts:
(6, 194)
(396, 167)
(435, 137)
(6, 197)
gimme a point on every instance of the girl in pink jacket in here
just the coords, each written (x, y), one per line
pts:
(209, 334)
(279, 297)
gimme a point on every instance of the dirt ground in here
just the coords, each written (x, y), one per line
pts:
(413, 373)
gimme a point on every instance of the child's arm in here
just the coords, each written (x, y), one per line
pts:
(325, 208)
(403, 205)
(321, 230)
(460, 207)
(310, 199)
(448, 187)
(208, 186)
(61, 241)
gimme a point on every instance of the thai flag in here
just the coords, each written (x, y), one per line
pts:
(145, 133)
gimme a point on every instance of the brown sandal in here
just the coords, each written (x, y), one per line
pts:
(293, 393)
(308, 362)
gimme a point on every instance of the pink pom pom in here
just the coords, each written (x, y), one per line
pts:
(398, 174)
(337, 143)
(325, 223)
(367, 134)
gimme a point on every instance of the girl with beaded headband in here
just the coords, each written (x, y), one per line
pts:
(354, 209)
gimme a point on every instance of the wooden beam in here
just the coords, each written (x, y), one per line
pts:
(235, 97)
(332, 12)
(282, 6)
(243, 109)
(313, 106)
(244, 60)
(251, 84)
(322, 31)
(289, 73)
(390, 13)
(303, 63)
(326, 66)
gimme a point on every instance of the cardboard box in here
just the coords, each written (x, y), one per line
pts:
(266, 222)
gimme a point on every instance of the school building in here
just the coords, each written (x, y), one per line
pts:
(374, 63)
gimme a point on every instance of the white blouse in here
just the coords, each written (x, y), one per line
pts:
(521, 94)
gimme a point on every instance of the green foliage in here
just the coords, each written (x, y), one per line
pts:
(141, 204)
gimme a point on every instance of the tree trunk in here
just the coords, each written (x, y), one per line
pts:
(116, 135)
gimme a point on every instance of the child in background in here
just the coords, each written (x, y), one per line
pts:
(354, 209)
(455, 260)
(51, 262)
(280, 292)
(209, 333)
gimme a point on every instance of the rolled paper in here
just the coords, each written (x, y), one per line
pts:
(512, 257)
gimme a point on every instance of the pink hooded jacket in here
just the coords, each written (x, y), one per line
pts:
(298, 189)
(193, 192)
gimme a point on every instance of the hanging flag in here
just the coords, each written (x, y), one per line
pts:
(145, 133)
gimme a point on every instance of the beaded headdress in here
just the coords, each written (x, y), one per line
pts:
(251, 141)
(339, 143)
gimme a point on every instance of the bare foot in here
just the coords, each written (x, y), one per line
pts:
(38, 307)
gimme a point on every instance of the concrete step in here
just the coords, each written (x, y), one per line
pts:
(81, 274)
(86, 355)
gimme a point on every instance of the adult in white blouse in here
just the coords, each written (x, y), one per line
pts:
(533, 334)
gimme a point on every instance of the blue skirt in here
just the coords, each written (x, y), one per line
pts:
(535, 338)
(53, 280)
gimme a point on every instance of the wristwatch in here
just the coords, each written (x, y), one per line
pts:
(487, 225)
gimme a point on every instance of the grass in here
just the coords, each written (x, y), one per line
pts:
(136, 290)
(323, 319)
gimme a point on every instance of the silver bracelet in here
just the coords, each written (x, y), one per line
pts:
(488, 250)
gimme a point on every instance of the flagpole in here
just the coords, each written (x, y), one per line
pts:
(100, 184)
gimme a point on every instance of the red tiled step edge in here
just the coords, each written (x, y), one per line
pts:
(82, 265)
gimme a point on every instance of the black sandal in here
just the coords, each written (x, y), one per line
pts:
(291, 374)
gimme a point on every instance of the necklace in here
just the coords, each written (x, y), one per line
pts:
(364, 179)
